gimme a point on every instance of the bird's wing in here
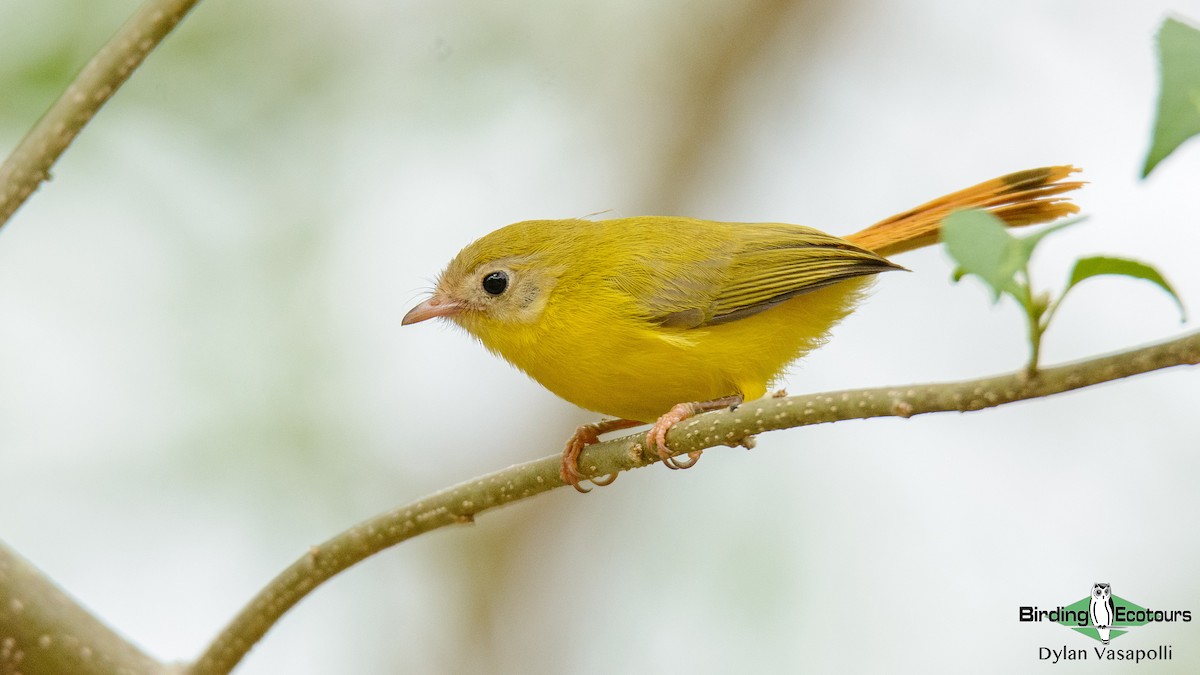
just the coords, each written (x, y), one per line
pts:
(741, 269)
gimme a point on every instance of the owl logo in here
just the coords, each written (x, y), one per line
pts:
(1102, 609)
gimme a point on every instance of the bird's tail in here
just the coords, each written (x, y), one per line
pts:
(1022, 198)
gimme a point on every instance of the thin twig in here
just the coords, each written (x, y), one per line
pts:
(29, 164)
(460, 503)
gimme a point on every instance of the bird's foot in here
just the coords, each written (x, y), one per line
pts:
(584, 436)
(656, 438)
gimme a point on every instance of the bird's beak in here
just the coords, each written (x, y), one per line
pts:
(431, 308)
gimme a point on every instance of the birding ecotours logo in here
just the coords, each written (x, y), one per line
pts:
(1103, 617)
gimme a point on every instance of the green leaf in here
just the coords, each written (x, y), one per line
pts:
(981, 245)
(1179, 99)
(1086, 268)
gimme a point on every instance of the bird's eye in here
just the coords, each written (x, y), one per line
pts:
(495, 283)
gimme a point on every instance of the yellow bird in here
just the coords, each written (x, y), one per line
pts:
(662, 318)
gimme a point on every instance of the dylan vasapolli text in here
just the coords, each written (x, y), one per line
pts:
(1161, 653)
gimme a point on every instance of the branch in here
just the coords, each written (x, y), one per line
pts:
(29, 164)
(460, 503)
(43, 630)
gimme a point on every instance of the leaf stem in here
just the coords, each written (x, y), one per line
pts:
(1033, 313)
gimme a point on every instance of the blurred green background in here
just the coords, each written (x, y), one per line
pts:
(202, 369)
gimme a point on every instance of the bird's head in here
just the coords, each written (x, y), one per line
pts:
(502, 279)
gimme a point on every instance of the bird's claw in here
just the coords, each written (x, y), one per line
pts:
(585, 436)
(569, 471)
(656, 438)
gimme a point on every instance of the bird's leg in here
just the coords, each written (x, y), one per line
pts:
(585, 436)
(657, 436)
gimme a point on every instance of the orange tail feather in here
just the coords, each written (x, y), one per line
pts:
(1022, 198)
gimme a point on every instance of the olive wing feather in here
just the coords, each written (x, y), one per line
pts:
(742, 269)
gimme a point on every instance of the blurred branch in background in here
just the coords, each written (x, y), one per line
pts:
(710, 65)
(29, 164)
(461, 503)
